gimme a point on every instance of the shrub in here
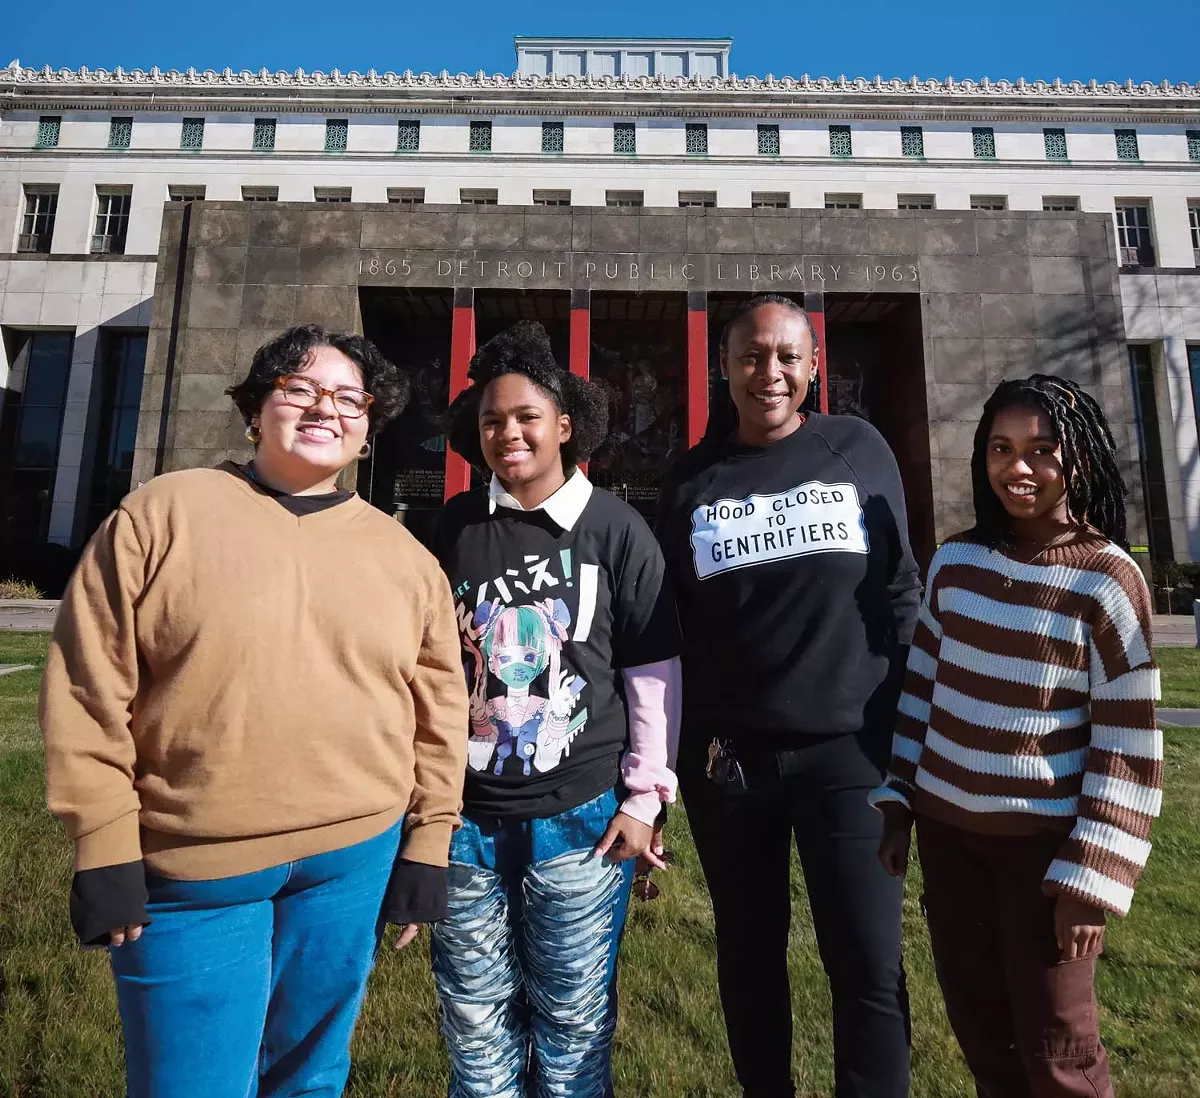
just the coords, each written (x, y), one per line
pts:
(18, 589)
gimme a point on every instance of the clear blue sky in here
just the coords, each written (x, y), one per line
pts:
(1074, 39)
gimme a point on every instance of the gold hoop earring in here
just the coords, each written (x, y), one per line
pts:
(365, 452)
(253, 434)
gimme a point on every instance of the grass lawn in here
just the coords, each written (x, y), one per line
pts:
(60, 1037)
(1180, 677)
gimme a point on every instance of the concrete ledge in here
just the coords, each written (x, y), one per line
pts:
(28, 615)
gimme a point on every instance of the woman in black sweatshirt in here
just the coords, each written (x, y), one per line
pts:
(798, 594)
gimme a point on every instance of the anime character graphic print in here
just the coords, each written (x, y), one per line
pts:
(519, 647)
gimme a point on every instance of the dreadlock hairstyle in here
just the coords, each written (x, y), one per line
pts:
(722, 415)
(524, 348)
(1095, 487)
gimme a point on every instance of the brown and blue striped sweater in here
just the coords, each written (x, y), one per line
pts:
(1028, 705)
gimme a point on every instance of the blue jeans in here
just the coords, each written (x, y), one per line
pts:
(525, 964)
(250, 986)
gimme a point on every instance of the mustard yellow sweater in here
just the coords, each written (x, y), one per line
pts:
(231, 687)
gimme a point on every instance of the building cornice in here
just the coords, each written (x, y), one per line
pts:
(264, 162)
(1053, 94)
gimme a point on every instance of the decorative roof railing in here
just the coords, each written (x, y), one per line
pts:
(47, 77)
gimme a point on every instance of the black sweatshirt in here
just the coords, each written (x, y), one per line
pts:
(796, 586)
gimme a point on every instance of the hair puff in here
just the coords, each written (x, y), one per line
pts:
(524, 348)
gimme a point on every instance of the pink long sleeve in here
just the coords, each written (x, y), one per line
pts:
(652, 692)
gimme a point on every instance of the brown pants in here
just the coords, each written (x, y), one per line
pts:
(1026, 1020)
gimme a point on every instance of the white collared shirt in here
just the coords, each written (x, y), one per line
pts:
(564, 506)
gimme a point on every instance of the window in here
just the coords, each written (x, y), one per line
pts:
(260, 194)
(914, 202)
(551, 198)
(1194, 372)
(408, 135)
(331, 194)
(625, 138)
(406, 196)
(1127, 145)
(1193, 140)
(1060, 203)
(1154, 480)
(631, 199)
(37, 224)
(843, 202)
(1134, 240)
(983, 142)
(697, 138)
(839, 141)
(121, 363)
(552, 137)
(481, 137)
(264, 134)
(192, 134)
(770, 200)
(112, 221)
(120, 133)
(186, 194)
(993, 202)
(478, 197)
(30, 431)
(1194, 225)
(702, 200)
(1056, 144)
(49, 127)
(912, 142)
(337, 134)
(768, 140)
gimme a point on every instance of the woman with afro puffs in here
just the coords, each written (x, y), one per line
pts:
(570, 648)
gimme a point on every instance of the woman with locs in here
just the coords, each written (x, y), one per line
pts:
(1027, 749)
(787, 543)
(253, 700)
(571, 649)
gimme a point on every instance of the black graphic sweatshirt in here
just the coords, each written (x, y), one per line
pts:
(553, 605)
(796, 586)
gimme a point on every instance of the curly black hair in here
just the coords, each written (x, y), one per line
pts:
(722, 415)
(524, 348)
(288, 352)
(1095, 487)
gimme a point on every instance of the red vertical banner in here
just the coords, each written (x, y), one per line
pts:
(697, 365)
(581, 333)
(814, 305)
(462, 348)
(580, 352)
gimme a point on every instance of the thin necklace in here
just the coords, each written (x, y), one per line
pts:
(1060, 540)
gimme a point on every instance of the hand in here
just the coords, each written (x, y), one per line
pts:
(408, 933)
(893, 850)
(1078, 927)
(644, 865)
(897, 838)
(119, 935)
(562, 700)
(628, 838)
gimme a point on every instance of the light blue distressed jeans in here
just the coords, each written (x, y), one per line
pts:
(525, 963)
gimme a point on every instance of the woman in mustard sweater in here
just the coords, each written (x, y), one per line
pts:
(253, 700)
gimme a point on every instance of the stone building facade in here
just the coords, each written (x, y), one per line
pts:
(966, 300)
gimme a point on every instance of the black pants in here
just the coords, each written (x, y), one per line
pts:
(817, 791)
